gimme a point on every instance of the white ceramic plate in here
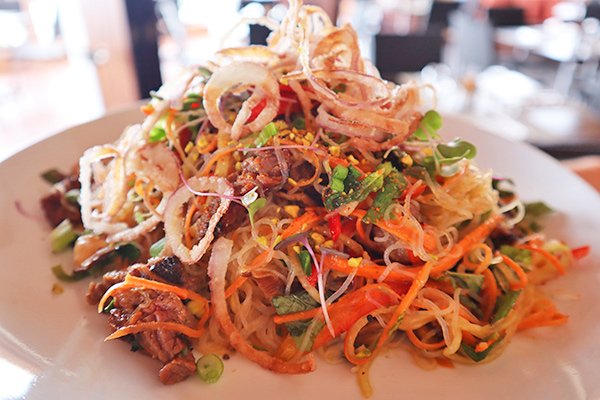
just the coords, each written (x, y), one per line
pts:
(51, 346)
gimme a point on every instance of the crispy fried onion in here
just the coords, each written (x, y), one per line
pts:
(155, 163)
(234, 76)
(217, 269)
(103, 188)
(174, 216)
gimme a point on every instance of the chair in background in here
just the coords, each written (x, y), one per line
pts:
(593, 10)
(506, 16)
(406, 53)
(440, 12)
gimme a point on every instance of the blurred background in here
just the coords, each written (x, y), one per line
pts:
(525, 69)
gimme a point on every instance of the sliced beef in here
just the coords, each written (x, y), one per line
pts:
(55, 205)
(235, 217)
(169, 347)
(169, 268)
(261, 169)
(97, 289)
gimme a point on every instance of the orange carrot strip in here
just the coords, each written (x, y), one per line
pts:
(447, 262)
(444, 362)
(155, 325)
(468, 338)
(235, 285)
(518, 270)
(298, 316)
(489, 294)
(410, 334)
(301, 224)
(367, 270)
(404, 233)
(546, 254)
(216, 157)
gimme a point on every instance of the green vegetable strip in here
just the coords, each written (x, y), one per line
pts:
(62, 236)
(157, 247)
(269, 131)
(393, 186)
(504, 304)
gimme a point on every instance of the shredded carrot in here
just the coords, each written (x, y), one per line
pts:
(210, 147)
(489, 294)
(543, 313)
(299, 316)
(367, 269)
(410, 334)
(287, 349)
(444, 264)
(517, 269)
(472, 238)
(301, 224)
(547, 255)
(147, 109)
(478, 267)
(362, 234)
(235, 285)
(404, 232)
(216, 157)
(155, 325)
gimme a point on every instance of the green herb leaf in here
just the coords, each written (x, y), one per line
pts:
(456, 150)
(72, 196)
(62, 236)
(269, 131)
(293, 303)
(471, 282)
(129, 251)
(521, 256)
(109, 306)
(205, 72)
(537, 209)
(210, 368)
(299, 123)
(157, 247)
(475, 355)
(254, 207)
(53, 176)
(340, 173)
(305, 262)
(341, 88)
(393, 186)
(428, 127)
(504, 304)
(504, 186)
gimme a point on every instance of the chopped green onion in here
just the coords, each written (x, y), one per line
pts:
(129, 251)
(537, 209)
(299, 123)
(254, 207)
(53, 176)
(62, 236)
(109, 306)
(478, 356)
(72, 196)
(393, 186)
(269, 131)
(157, 247)
(157, 134)
(428, 127)
(210, 368)
(339, 172)
(306, 262)
(337, 185)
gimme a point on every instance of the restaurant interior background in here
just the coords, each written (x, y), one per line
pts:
(525, 69)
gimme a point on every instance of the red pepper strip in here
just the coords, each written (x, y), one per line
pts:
(312, 278)
(287, 96)
(257, 110)
(353, 306)
(580, 252)
(335, 226)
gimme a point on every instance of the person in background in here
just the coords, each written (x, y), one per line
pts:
(536, 11)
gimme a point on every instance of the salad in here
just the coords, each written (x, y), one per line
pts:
(284, 202)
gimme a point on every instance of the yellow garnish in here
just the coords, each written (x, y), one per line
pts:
(354, 262)
(352, 160)
(262, 241)
(202, 143)
(407, 160)
(428, 151)
(238, 166)
(327, 243)
(309, 136)
(278, 239)
(292, 136)
(317, 237)
(292, 182)
(57, 288)
(292, 210)
(334, 150)
(195, 308)
(296, 249)
(189, 146)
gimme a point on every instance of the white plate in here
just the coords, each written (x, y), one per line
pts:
(51, 346)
